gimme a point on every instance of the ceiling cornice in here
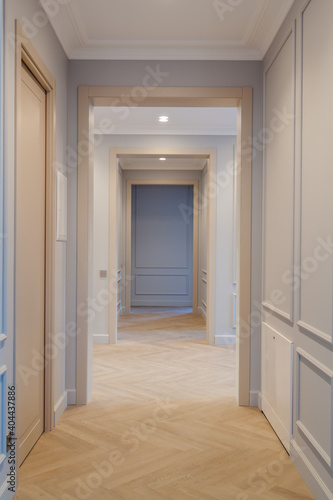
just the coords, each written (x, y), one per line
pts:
(268, 25)
(184, 130)
(164, 51)
(263, 26)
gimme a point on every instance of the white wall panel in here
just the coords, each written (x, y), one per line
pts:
(317, 174)
(310, 278)
(279, 181)
(277, 368)
(314, 415)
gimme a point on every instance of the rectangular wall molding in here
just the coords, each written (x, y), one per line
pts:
(315, 483)
(277, 382)
(315, 293)
(326, 374)
(277, 263)
(314, 331)
(158, 284)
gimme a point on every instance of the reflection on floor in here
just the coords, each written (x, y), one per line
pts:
(163, 424)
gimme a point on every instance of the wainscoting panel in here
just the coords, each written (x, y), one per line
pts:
(162, 245)
(278, 210)
(277, 369)
(314, 415)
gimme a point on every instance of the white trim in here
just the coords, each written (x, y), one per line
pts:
(260, 400)
(274, 420)
(60, 407)
(225, 339)
(304, 430)
(314, 331)
(262, 27)
(192, 152)
(71, 396)
(303, 324)
(186, 130)
(234, 214)
(242, 97)
(277, 311)
(314, 442)
(291, 32)
(324, 369)
(314, 482)
(254, 398)
(101, 338)
(234, 310)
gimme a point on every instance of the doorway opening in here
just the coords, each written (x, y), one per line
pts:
(241, 97)
(203, 220)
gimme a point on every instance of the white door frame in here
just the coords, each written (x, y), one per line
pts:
(88, 97)
(26, 53)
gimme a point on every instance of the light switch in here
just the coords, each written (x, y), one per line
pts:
(103, 273)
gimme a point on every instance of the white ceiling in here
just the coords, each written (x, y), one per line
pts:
(182, 121)
(167, 29)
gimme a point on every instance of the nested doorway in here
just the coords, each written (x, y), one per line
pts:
(240, 97)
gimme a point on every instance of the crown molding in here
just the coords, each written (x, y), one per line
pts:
(132, 164)
(224, 130)
(254, 22)
(165, 52)
(263, 26)
(270, 23)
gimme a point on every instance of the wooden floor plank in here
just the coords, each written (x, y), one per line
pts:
(162, 424)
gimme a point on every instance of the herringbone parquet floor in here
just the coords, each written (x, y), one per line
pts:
(162, 425)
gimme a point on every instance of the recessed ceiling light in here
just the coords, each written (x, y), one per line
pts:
(162, 159)
(163, 119)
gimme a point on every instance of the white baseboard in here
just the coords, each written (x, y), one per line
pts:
(60, 407)
(100, 338)
(71, 396)
(225, 339)
(161, 303)
(311, 477)
(201, 310)
(254, 398)
(260, 400)
(279, 428)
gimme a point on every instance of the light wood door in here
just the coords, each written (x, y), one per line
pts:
(30, 263)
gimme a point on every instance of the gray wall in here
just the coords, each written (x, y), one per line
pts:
(176, 73)
(49, 48)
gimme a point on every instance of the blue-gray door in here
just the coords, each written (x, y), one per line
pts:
(162, 245)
